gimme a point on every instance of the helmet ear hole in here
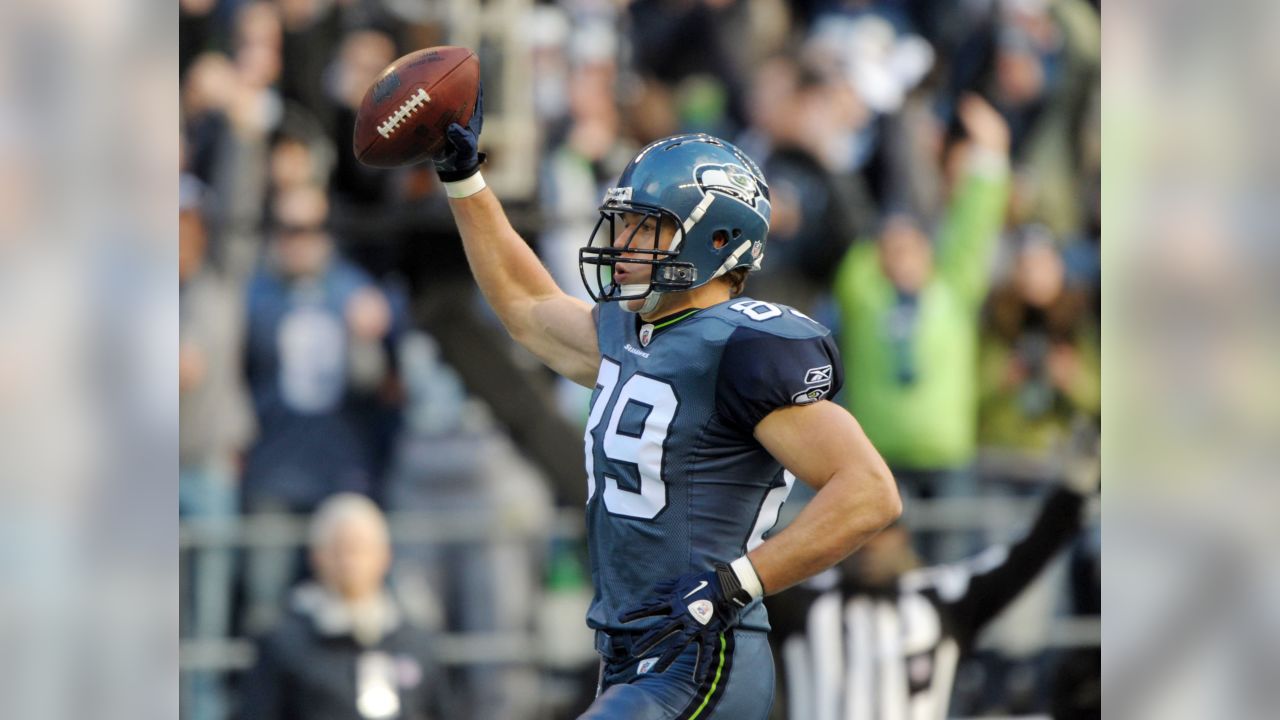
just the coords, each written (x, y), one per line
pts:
(719, 239)
(737, 233)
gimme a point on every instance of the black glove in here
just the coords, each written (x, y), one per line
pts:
(461, 156)
(699, 608)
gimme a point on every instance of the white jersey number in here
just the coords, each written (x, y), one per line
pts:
(760, 310)
(756, 309)
(657, 401)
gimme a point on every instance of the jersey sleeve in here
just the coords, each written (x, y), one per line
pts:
(761, 372)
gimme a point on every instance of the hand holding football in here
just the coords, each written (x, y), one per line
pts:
(405, 113)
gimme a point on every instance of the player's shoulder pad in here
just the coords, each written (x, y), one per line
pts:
(769, 318)
(773, 357)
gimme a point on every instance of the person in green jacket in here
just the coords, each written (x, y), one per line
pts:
(910, 310)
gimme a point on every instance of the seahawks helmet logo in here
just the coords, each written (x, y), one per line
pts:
(733, 181)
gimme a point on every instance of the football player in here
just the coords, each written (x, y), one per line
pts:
(707, 406)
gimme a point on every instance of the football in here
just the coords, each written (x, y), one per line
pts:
(405, 112)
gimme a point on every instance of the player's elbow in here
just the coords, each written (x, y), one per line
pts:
(891, 502)
(885, 503)
(870, 499)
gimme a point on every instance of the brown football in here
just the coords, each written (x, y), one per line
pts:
(404, 114)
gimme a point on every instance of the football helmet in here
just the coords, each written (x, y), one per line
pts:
(709, 191)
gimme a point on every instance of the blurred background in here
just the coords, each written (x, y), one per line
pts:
(365, 455)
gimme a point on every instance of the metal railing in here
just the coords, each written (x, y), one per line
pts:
(410, 529)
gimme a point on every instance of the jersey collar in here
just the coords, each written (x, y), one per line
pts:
(647, 331)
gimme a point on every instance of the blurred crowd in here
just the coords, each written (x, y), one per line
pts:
(935, 173)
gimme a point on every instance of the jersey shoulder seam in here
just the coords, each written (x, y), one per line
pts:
(807, 327)
(816, 333)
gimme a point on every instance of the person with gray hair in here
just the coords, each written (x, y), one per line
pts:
(345, 650)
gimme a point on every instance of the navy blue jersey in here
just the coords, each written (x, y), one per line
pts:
(676, 479)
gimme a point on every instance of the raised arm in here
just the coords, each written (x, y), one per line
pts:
(551, 324)
(824, 446)
(976, 211)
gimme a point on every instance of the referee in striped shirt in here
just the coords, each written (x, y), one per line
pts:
(883, 639)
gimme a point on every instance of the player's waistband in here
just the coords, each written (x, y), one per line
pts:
(615, 647)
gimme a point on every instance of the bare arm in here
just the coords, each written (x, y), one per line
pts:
(825, 447)
(554, 326)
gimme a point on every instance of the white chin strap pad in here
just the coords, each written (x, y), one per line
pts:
(650, 300)
(650, 303)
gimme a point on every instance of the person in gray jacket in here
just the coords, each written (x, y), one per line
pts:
(345, 650)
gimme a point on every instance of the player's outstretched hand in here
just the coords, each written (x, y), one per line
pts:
(461, 156)
(698, 608)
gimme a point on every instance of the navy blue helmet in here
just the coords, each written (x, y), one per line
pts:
(708, 190)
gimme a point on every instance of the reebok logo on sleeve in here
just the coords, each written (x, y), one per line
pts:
(818, 375)
(819, 380)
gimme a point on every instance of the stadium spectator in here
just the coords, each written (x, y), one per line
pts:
(574, 177)
(318, 363)
(207, 89)
(357, 61)
(1039, 62)
(215, 425)
(578, 169)
(909, 324)
(709, 84)
(875, 46)
(799, 114)
(298, 159)
(1046, 75)
(1040, 364)
(345, 650)
(880, 636)
(231, 107)
(368, 222)
(311, 29)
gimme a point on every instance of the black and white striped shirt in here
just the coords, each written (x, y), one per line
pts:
(858, 653)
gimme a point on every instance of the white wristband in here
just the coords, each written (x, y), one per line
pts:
(465, 187)
(747, 577)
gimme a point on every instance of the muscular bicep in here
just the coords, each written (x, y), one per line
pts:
(824, 446)
(560, 331)
(818, 441)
